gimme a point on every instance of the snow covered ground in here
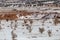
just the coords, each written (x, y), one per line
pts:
(30, 29)
(37, 8)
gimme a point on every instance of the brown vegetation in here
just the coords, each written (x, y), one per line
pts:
(31, 21)
(49, 33)
(56, 21)
(24, 13)
(41, 30)
(13, 35)
(8, 16)
(11, 15)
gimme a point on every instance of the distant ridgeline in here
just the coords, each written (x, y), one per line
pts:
(29, 3)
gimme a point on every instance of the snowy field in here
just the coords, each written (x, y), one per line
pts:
(30, 28)
(37, 8)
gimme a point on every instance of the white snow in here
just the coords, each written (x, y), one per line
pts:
(23, 34)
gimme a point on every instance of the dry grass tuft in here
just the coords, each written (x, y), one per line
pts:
(41, 30)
